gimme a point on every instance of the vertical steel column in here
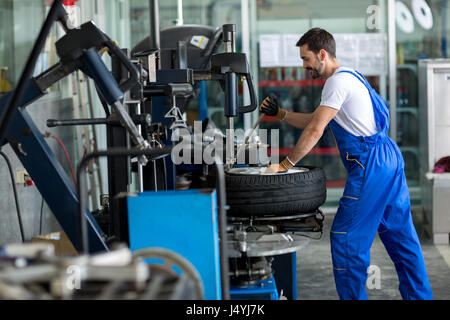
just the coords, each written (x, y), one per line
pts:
(381, 28)
(179, 20)
(229, 39)
(253, 58)
(392, 48)
(444, 6)
(246, 49)
(155, 29)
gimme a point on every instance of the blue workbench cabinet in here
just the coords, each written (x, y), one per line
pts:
(183, 221)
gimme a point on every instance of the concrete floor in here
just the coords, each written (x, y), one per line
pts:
(315, 271)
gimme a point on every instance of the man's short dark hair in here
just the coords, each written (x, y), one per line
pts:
(318, 39)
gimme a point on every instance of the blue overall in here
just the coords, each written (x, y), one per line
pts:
(376, 198)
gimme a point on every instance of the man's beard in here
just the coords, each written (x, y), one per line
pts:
(315, 74)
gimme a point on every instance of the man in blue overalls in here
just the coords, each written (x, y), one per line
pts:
(376, 196)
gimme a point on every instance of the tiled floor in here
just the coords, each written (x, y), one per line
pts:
(315, 273)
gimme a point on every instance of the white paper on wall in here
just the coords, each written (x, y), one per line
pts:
(347, 50)
(365, 52)
(291, 53)
(269, 50)
(372, 54)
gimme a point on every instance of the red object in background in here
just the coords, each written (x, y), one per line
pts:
(320, 151)
(336, 184)
(28, 181)
(65, 2)
(69, 2)
(443, 165)
(291, 83)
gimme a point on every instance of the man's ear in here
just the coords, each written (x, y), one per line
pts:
(323, 54)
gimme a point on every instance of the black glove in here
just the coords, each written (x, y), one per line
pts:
(270, 105)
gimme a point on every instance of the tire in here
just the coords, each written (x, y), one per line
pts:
(301, 190)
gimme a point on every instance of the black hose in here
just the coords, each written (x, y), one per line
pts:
(16, 199)
(151, 154)
(221, 199)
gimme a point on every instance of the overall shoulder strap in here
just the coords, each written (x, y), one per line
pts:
(381, 109)
(359, 76)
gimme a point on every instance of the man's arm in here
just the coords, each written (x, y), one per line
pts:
(298, 120)
(312, 133)
(310, 136)
(271, 108)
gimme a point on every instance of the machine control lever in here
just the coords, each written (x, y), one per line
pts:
(141, 119)
(234, 63)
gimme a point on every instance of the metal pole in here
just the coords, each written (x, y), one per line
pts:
(222, 219)
(246, 49)
(444, 6)
(180, 21)
(140, 173)
(155, 42)
(254, 48)
(229, 39)
(392, 43)
(382, 29)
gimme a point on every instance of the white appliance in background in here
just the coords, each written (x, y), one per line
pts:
(434, 114)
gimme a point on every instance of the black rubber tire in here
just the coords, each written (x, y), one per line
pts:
(274, 195)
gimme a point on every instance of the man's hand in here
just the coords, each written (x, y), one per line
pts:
(284, 166)
(273, 168)
(271, 107)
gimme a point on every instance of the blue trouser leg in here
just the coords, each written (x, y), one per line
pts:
(376, 198)
(356, 223)
(352, 234)
(400, 239)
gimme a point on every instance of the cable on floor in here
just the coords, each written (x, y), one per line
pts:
(310, 237)
(16, 199)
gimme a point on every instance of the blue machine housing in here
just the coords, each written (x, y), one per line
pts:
(184, 222)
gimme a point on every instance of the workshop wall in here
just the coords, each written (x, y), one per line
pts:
(23, 20)
(15, 44)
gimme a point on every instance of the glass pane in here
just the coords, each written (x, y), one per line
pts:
(422, 33)
(20, 22)
(352, 23)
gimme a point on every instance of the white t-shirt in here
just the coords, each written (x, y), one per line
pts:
(344, 92)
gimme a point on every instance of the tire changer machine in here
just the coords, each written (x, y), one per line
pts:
(147, 91)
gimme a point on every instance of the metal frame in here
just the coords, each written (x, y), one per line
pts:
(392, 48)
(78, 51)
(47, 173)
